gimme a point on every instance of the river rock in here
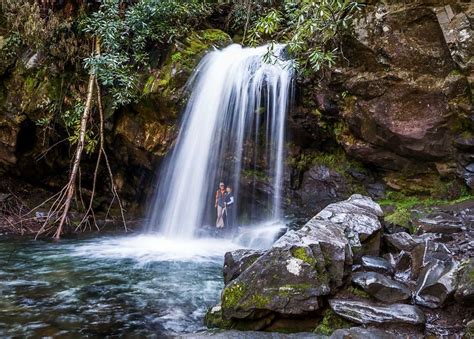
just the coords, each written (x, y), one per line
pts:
(358, 216)
(436, 283)
(465, 292)
(377, 264)
(361, 333)
(368, 313)
(408, 264)
(381, 287)
(401, 241)
(439, 223)
(236, 262)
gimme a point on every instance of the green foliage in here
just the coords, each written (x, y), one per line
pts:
(123, 39)
(53, 36)
(10, 46)
(404, 205)
(336, 160)
(247, 11)
(312, 29)
(72, 121)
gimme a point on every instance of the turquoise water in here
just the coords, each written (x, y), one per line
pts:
(108, 286)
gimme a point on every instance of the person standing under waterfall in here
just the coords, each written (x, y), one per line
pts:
(220, 205)
(229, 207)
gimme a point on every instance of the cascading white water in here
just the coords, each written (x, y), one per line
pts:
(238, 103)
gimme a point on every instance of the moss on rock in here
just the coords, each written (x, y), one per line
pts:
(331, 322)
(232, 295)
(302, 254)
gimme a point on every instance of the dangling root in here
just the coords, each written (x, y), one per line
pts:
(102, 152)
(59, 210)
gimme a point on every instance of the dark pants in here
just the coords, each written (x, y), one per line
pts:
(229, 220)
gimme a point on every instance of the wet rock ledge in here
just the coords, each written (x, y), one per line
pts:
(345, 274)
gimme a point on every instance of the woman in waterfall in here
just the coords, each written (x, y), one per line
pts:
(229, 208)
(220, 205)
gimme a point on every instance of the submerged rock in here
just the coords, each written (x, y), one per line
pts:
(436, 283)
(369, 313)
(381, 287)
(376, 264)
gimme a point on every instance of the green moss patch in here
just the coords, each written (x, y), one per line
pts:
(405, 204)
(331, 322)
(232, 295)
(302, 254)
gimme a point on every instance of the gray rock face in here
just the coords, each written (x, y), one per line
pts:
(362, 333)
(381, 287)
(323, 185)
(238, 261)
(465, 291)
(436, 283)
(401, 241)
(376, 264)
(358, 216)
(368, 313)
(303, 266)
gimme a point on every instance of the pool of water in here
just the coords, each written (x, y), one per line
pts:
(109, 285)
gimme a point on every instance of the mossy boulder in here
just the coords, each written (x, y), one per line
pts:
(293, 278)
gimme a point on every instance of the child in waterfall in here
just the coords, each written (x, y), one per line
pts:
(229, 208)
(220, 205)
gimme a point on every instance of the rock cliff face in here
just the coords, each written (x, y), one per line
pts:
(396, 113)
(400, 102)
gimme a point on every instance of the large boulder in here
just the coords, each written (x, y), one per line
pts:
(400, 241)
(362, 312)
(439, 222)
(293, 277)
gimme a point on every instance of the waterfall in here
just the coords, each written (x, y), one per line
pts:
(238, 103)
